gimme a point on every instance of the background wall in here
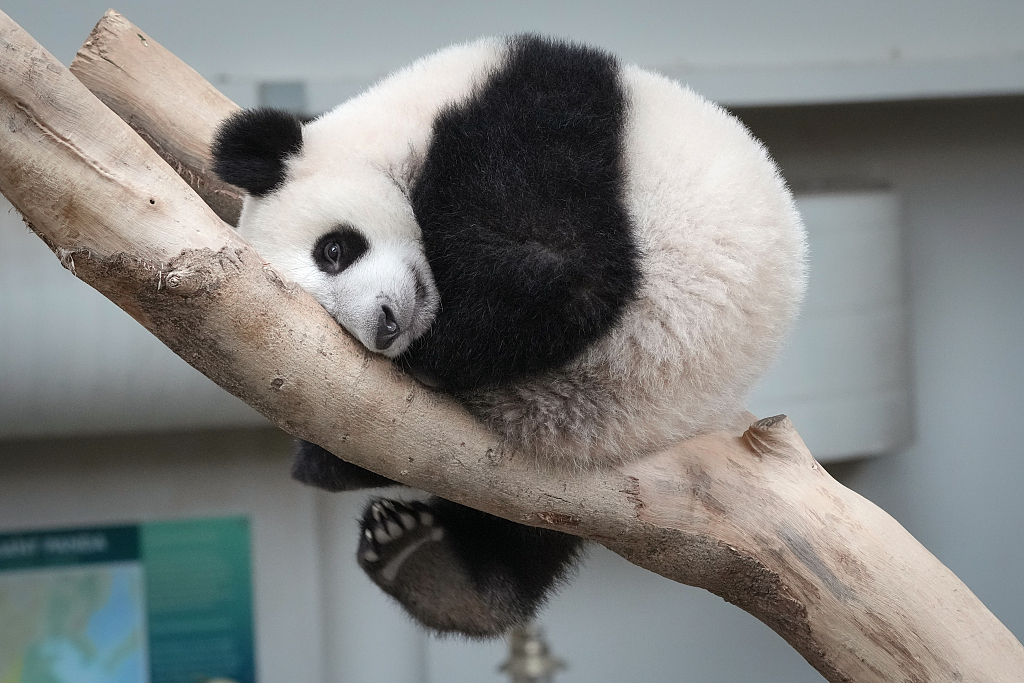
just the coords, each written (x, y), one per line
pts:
(955, 163)
(109, 480)
(736, 51)
(958, 167)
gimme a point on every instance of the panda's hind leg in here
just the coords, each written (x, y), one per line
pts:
(455, 569)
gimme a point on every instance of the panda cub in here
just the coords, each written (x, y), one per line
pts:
(596, 261)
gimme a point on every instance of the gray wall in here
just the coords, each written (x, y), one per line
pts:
(960, 170)
(73, 363)
(320, 37)
(736, 51)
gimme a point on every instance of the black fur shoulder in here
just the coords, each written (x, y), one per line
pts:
(520, 200)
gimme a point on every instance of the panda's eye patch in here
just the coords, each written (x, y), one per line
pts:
(338, 249)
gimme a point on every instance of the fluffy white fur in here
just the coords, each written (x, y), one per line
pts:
(723, 262)
(724, 273)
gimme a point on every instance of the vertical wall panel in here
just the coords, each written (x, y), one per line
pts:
(844, 376)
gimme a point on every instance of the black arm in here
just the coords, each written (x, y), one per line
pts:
(318, 467)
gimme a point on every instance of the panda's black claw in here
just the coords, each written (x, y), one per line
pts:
(368, 550)
(389, 527)
(455, 569)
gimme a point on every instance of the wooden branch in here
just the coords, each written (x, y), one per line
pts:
(750, 517)
(164, 100)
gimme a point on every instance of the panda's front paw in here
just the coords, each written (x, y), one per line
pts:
(391, 532)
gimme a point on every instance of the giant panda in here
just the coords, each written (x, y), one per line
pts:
(595, 260)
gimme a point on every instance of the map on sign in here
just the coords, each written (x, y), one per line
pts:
(166, 602)
(81, 624)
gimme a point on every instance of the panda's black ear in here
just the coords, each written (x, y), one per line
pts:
(250, 148)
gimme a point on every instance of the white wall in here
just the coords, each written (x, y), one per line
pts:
(73, 363)
(367, 636)
(320, 37)
(958, 167)
(739, 51)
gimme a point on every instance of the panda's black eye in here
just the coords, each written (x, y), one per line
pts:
(338, 249)
(332, 252)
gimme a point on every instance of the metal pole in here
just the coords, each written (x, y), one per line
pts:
(529, 660)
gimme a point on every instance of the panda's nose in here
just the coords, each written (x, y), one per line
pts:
(388, 328)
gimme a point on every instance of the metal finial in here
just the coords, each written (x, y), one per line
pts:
(529, 660)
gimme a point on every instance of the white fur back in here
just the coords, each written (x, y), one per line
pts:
(724, 273)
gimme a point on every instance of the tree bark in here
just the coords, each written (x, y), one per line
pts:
(164, 100)
(749, 515)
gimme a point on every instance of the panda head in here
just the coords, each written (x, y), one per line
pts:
(338, 225)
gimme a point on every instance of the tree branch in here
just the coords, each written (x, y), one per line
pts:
(750, 517)
(165, 101)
